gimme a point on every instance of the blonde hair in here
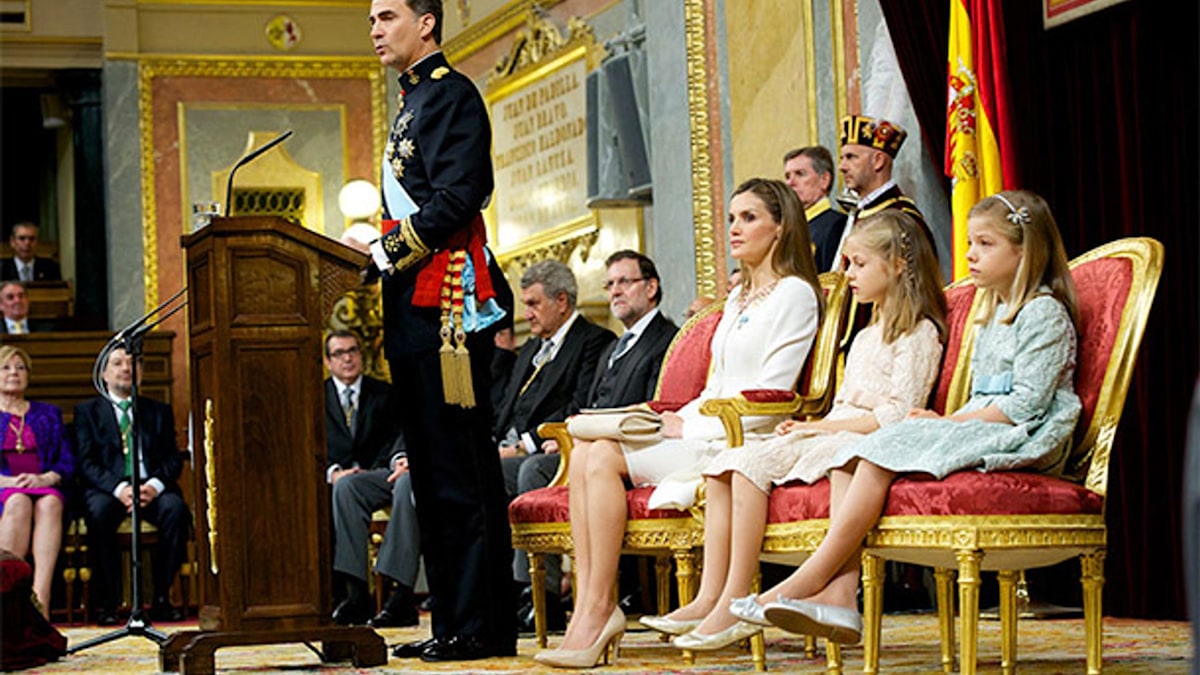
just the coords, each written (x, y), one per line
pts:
(9, 351)
(1024, 219)
(917, 293)
(793, 253)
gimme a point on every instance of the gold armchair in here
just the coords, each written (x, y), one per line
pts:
(1010, 521)
(1003, 521)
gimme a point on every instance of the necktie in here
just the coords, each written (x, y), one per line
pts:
(543, 354)
(126, 425)
(26, 272)
(18, 327)
(619, 350)
(348, 408)
(539, 359)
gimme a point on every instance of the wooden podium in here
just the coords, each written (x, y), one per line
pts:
(259, 289)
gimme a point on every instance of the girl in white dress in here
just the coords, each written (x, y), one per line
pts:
(761, 342)
(890, 370)
(1021, 413)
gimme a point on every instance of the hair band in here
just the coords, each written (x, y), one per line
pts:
(1017, 216)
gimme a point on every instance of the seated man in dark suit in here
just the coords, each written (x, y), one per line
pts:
(104, 437)
(626, 372)
(552, 374)
(25, 265)
(14, 304)
(368, 469)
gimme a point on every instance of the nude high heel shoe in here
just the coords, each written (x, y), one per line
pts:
(591, 656)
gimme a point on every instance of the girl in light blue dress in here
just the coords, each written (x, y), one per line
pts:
(1020, 415)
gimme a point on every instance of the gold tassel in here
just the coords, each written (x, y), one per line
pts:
(462, 361)
(446, 355)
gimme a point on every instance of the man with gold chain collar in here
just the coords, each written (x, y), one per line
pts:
(869, 147)
(809, 172)
(439, 319)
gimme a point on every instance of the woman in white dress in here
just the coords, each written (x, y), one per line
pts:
(890, 370)
(761, 342)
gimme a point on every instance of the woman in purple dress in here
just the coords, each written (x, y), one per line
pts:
(35, 461)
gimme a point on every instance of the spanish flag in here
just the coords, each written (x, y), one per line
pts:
(979, 143)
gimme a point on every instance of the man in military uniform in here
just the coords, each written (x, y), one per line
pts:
(869, 147)
(439, 319)
(809, 172)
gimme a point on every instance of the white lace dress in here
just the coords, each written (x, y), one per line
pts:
(884, 380)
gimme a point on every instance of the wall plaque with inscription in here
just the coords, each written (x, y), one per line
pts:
(538, 104)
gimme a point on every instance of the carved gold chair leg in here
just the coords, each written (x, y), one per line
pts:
(944, 581)
(758, 643)
(1008, 620)
(685, 573)
(810, 647)
(872, 583)
(662, 583)
(537, 590)
(1092, 577)
(968, 607)
(833, 658)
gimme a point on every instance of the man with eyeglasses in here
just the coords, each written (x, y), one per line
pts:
(626, 373)
(368, 469)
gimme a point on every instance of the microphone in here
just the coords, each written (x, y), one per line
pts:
(246, 160)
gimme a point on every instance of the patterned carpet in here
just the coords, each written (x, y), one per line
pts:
(910, 646)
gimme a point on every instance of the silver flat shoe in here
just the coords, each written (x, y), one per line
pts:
(700, 642)
(747, 609)
(669, 626)
(837, 624)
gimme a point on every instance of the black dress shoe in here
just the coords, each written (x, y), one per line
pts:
(465, 648)
(164, 612)
(556, 616)
(412, 650)
(350, 612)
(401, 618)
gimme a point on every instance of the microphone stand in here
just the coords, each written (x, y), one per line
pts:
(130, 339)
(246, 160)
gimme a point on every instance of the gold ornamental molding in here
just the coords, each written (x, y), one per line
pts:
(557, 243)
(210, 474)
(810, 71)
(233, 67)
(705, 144)
(492, 27)
(540, 49)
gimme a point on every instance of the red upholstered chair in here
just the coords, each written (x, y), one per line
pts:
(1004, 521)
(1009, 521)
(798, 514)
(541, 518)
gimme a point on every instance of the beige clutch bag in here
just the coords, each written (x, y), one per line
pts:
(635, 424)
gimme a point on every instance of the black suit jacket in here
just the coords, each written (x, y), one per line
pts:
(826, 232)
(101, 459)
(35, 326)
(560, 389)
(44, 269)
(378, 435)
(633, 377)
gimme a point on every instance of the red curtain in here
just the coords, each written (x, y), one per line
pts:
(1106, 110)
